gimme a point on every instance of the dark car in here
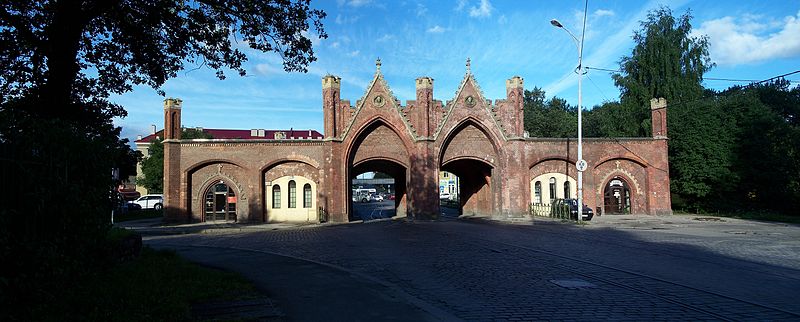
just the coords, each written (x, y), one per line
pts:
(561, 205)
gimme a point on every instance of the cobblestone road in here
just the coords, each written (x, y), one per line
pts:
(648, 268)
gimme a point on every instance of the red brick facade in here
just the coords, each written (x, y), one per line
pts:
(481, 141)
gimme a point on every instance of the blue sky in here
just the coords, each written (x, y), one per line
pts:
(749, 40)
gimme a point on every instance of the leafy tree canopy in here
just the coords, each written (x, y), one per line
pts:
(667, 61)
(59, 62)
(152, 176)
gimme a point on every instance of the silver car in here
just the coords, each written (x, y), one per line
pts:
(155, 201)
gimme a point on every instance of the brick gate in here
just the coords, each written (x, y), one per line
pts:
(481, 141)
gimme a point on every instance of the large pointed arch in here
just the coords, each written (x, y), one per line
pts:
(459, 129)
(369, 127)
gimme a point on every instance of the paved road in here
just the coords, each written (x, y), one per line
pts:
(374, 210)
(615, 268)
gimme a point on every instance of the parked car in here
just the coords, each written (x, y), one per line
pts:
(445, 196)
(572, 205)
(150, 202)
(376, 197)
(390, 197)
(362, 198)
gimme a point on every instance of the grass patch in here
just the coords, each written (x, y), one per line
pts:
(159, 285)
(138, 214)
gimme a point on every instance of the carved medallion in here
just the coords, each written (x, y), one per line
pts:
(379, 101)
(469, 101)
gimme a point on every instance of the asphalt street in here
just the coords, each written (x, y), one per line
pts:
(614, 268)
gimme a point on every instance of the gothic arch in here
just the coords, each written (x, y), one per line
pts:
(300, 159)
(199, 165)
(636, 160)
(458, 129)
(368, 129)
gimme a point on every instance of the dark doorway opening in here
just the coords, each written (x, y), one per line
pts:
(220, 203)
(617, 197)
(474, 194)
(377, 190)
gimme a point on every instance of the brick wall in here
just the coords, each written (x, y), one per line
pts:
(469, 136)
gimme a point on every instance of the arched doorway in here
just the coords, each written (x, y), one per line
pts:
(617, 196)
(219, 203)
(381, 193)
(475, 193)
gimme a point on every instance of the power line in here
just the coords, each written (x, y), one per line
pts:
(707, 78)
(743, 87)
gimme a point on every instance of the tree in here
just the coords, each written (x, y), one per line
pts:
(611, 119)
(553, 118)
(59, 62)
(152, 176)
(768, 138)
(665, 62)
(69, 51)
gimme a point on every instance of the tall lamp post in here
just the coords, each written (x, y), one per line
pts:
(581, 164)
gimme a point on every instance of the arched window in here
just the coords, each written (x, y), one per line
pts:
(307, 196)
(276, 197)
(537, 196)
(552, 189)
(566, 190)
(292, 194)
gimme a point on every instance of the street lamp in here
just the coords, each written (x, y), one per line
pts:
(581, 164)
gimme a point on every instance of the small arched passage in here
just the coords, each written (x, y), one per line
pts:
(359, 210)
(617, 196)
(219, 203)
(378, 147)
(476, 197)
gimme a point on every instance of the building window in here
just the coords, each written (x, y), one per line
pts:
(537, 196)
(292, 194)
(307, 196)
(552, 189)
(276, 197)
(566, 190)
(445, 174)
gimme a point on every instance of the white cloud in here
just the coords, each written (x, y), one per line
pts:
(385, 37)
(603, 12)
(484, 10)
(354, 53)
(743, 40)
(421, 10)
(612, 45)
(502, 19)
(265, 70)
(461, 4)
(436, 29)
(358, 3)
(341, 20)
(335, 44)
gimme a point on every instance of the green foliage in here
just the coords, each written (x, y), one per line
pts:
(768, 137)
(59, 62)
(666, 62)
(152, 176)
(159, 286)
(553, 118)
(612, 119)
(701, 152)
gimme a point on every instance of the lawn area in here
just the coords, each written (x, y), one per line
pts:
(156, 286)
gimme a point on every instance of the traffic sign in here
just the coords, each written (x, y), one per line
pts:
(581, 165)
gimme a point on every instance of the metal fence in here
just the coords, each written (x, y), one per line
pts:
(556, 210)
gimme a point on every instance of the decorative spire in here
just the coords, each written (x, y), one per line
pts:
(468, 66)
(378, 65)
